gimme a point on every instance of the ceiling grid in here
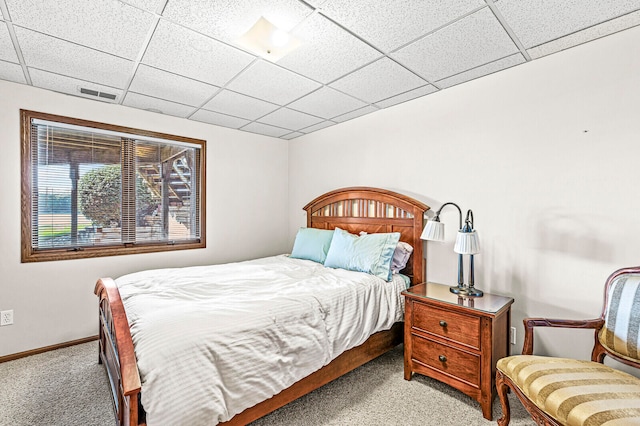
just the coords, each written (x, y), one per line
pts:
(179, 58)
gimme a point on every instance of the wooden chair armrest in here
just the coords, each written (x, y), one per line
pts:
(530, 323)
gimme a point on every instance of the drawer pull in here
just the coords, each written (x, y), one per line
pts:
(442, 358)
(443, 323)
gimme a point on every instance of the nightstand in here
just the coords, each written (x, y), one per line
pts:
(456, 340)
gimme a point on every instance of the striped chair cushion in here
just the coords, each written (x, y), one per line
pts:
(620, 333)
(576, 392)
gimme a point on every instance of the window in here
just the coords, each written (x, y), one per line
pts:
(91, 189)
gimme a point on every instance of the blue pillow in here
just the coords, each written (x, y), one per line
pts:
(312, 244)
(371, 253)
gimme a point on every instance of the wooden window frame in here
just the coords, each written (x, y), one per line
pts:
(29, 254)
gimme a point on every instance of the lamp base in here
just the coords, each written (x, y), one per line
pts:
(458, 289)
(466, 291)
(474, 292)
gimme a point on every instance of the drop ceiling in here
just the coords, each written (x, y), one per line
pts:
(178, 57)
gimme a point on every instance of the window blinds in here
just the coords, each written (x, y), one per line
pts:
(94, 188)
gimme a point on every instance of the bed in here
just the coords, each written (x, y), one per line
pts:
(354, 210)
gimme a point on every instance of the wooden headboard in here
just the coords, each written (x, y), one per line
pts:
(373, 210)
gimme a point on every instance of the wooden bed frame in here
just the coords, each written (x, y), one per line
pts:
(353, 209)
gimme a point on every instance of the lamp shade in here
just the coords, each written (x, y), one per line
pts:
(433, 231)
(467, 243)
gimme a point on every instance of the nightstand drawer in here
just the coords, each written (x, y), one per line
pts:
(460, 328)
(461, 365)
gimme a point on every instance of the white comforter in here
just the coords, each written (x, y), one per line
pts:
(212, 341)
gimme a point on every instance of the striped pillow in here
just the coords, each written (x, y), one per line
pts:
(621, 331)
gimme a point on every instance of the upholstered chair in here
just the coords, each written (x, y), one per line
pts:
(563, 391)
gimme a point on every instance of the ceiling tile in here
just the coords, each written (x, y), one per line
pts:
(7, 52)
(150, 5)
(407, 96)
(71, 86)
(396, 22)
(266, 130)
(618, 24)
(328, 52)
(316, 3)
(233, 103)
(380, 80)
(482, 70)
(290, 119)
(267, 81)
(164, 85)
(109, 26)
(70, 59)
(11, 72)
(218, 119)
(326, 102)
(475, 40)
(539, 21)
(227, 20)
(318, 126)
(292, 135)
(156, 105)
(357, 113)
(185, 52)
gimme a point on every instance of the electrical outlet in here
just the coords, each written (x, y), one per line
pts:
(6, 317)
(512, 335)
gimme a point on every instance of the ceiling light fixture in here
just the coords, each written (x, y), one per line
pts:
(268, 41)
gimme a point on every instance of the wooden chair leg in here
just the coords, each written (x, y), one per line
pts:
(503, 389)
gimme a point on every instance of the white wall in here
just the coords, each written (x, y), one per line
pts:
(556, 208)
(247, 217)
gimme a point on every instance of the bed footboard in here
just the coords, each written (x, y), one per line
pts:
(116, 353)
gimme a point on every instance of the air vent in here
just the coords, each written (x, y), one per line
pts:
(92, 92)
(89, 92)
(107, 95)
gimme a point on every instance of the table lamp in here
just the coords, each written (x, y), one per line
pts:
(466, 243)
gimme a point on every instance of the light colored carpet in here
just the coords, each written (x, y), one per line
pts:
(62, 387)
(68, 387)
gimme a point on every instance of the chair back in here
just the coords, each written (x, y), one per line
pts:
(620, 335)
